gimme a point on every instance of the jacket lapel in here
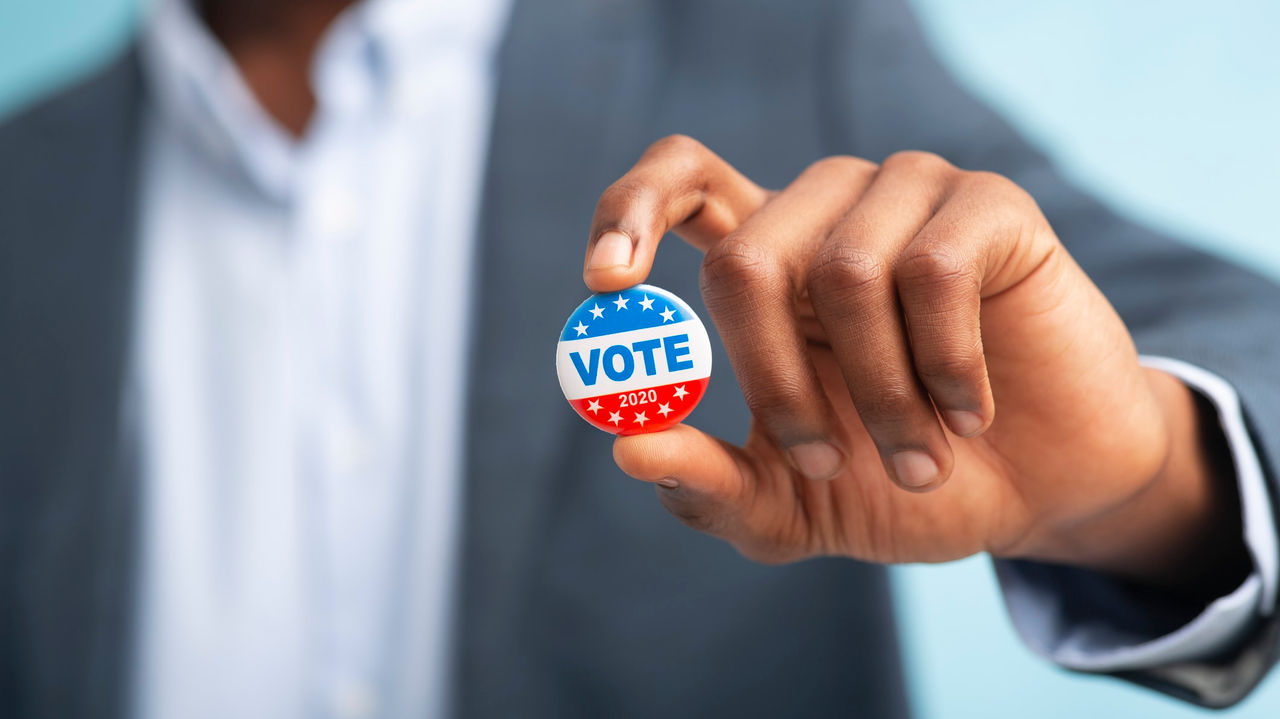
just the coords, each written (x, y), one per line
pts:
(574, 84)
(69, 522)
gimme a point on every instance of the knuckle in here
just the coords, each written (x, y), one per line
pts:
(1000, 190)
(627, 193)
(845, 167)
(1002, 199)
(893, 401)
(775, 400)
(678, 144)
(846, 269)
(991, 183)
(935, 265)
(736, 265)
(917, 161)
(951, 368)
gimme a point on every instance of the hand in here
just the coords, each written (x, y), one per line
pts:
(879, 319)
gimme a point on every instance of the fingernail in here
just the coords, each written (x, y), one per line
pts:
(915, 469)
(963, 423)
(816, 460)
(613, 249)
(668, 482)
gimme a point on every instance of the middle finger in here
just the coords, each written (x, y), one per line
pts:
(852, 289)
(751, 281)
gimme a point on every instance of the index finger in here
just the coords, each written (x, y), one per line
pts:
(679, 186)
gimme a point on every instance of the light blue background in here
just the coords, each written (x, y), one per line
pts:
(1168, 109)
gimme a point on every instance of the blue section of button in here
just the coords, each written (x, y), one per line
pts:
(631, 309)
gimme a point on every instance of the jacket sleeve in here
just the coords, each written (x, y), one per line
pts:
(885, 91)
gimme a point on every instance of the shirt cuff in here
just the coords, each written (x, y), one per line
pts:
(1085, 621)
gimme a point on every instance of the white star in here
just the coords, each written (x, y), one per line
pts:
(594, 406)
(667, 314)
(641, 419)
(664, 410)
(615, 417)
(621, 302)
(596, 312)
(581, 328)
(646, 303)
(681, 392)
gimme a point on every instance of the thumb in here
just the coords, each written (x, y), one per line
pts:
(701, 480)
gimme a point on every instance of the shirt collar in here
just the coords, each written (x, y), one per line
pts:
(200, 92)
(367, 56)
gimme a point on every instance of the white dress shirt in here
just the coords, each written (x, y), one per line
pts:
(300, 365)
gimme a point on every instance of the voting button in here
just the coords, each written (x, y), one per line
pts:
(634, 361)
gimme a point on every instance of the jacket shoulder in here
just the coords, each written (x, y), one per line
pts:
(68, 168)
(90, 107)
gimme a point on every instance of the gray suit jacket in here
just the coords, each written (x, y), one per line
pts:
(578, 596)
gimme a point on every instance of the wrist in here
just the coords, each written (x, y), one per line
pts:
(1181, 528)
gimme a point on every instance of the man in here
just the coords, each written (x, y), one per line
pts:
(281, 436)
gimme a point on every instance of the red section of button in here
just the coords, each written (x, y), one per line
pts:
(644, 410)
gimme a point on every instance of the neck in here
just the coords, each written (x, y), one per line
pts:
(272, 43)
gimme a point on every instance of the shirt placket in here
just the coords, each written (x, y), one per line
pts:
(350, 467)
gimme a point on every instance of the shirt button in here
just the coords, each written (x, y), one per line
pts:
(348, 447)
(335, 213)
(354, 700)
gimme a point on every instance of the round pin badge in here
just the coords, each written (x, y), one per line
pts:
(634, 361)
